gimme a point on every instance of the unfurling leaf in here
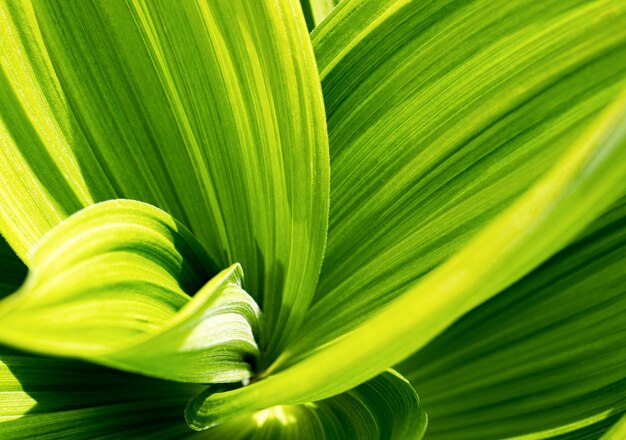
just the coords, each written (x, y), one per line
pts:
(113, 283)
(385, 407)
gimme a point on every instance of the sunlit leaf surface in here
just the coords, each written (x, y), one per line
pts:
(264, 221)
(548, 351)
(112, 284)
(580, 187)
(209, 110)
(440, 114)
(385, 407)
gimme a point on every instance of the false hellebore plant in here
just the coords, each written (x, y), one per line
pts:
(430, 186)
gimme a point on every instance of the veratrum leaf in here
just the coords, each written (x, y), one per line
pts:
(210, 110)
(570, 196)
(111, 284)
(440, 114)
(545, 357)
(384, 408)
(53, 398)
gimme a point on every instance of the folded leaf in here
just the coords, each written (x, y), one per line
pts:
(111, 284)
(52, 398)
(440, 114)
(544, 357)
(577, 190)
(384, 408)
(209, 110)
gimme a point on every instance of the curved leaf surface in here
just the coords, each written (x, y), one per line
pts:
(111, 284)
(544, 357)
(209, 110)
(585, 182)
(52, 398)
(384, 408)
(440, 114)
(617, 431)
(316, 10)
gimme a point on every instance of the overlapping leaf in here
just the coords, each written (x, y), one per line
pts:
(440, 114)
(384, 408)
(545, 357)
(443, 116)
(580, 187)
(211, 111)
(53, 398)
(111, 284)
(617, 432)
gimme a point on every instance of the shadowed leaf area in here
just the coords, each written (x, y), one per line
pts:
(545, 356)
(285, 219)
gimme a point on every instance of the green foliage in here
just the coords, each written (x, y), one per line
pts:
(384, 407)
(431, 186)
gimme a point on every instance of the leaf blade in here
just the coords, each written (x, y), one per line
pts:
(233, 145)
(440, 115)
(316, 10)
(584, 183)
(385, 407)
(549, 348)
(52, 398)
(111, 285)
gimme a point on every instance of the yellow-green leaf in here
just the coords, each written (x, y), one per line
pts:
(113, 283)
(545, 357)
(53, 398)
(440, 114)
(552, 212)
(316, 10)
(384, 408)
(209, 110)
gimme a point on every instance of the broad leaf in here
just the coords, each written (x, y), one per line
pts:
(111, 284)
(544, 357)
(570, 196)
(440, 114)
(209, 110)
(52, 398)
(384, 408)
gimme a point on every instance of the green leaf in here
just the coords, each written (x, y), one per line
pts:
(544, 357)
(209, 110)
(12, 270)
(617, 432)
(549, 215)
(111, 284)
(384, 408)
(53, 398)
(316, 10)
(440, 114)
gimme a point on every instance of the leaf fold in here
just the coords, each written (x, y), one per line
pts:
(112, 284)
